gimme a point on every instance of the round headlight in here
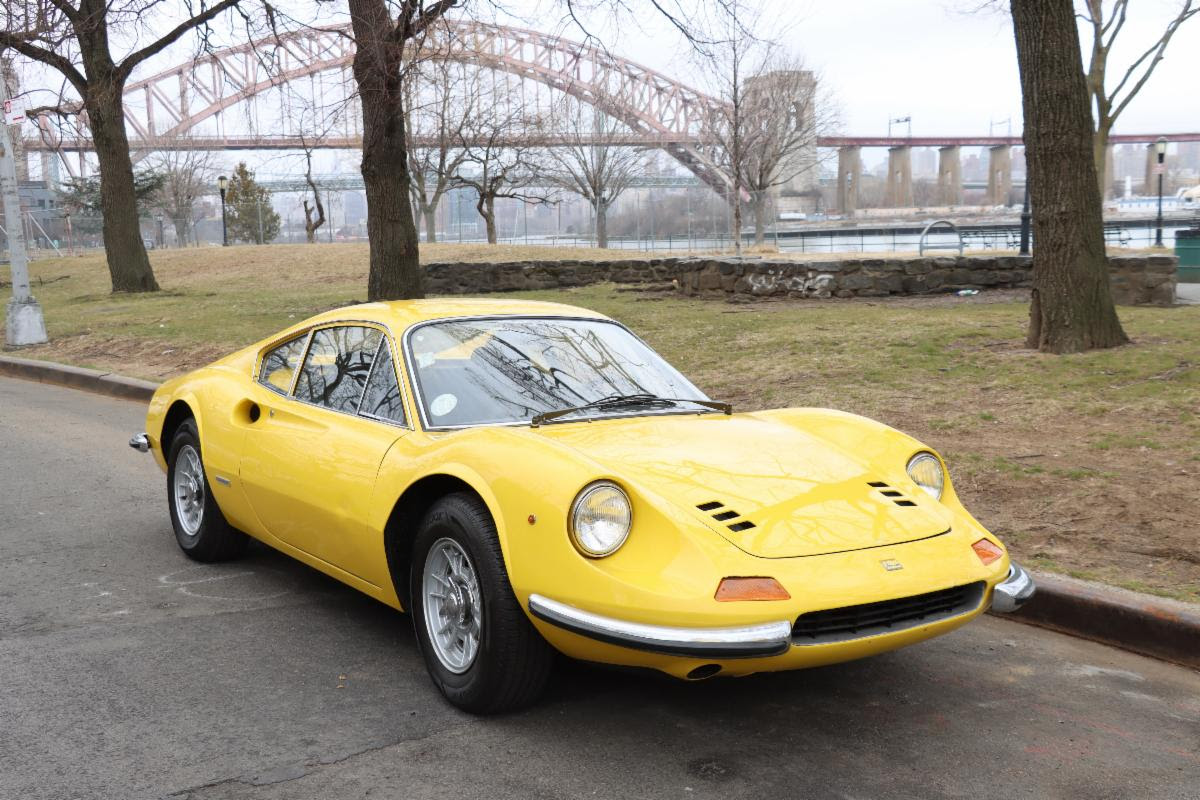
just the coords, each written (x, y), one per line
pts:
(926, 471)
(600, 519)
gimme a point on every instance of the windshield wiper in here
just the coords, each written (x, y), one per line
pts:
(621, 400)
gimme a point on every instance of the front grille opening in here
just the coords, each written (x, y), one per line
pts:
(724, 515)
(741, 526)
(886, 616)
(904, 502)
(709, 506)
(892, 493)
(878, 484)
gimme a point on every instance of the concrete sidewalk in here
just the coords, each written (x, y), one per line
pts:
(1188, 294)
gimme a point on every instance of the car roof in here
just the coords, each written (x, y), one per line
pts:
(400, 314)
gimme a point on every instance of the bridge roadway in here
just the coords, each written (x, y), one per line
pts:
(130, 672)
(631, 139)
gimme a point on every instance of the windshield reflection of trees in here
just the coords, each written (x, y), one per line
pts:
(530, 366)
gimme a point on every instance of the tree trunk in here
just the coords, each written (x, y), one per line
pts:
(760, 219)
(128, 264)
(1100, 157)
(181, 231)
(395, 267)
(487, 209)
(1072, 308)
(602, 225)
(429, 212)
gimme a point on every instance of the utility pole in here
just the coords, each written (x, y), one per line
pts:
(23, 321)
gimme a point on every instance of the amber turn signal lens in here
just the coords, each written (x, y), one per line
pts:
(750, 589)
(987, 550)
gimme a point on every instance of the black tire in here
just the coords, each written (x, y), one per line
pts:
(512, 661)
(213, 538)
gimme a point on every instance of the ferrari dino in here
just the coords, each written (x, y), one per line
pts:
(525, 478)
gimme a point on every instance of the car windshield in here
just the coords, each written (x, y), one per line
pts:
(508, 370)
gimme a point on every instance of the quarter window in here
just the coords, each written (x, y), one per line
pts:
(381, 399)
(279, 365)
(336, 368)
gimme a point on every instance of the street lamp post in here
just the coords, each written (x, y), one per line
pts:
(23, 320)
(1160, 148)
(223, 185)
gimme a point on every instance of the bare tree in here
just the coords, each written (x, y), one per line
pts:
(1072, 308)
(74, 39)
(592, 163)
(383, 29)
(314, 215)
(1105, 25)
(448, 99)
(496, 162)
(187, 175)
(385, 33)
(779, 121)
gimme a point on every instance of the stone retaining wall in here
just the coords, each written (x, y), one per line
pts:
(1136, 280)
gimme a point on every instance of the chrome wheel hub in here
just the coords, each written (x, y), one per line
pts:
(187, 490)
(452, 605)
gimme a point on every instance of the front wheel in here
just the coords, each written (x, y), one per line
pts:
(478, 645)
(200, 528)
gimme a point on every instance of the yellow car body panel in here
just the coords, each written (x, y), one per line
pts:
(321, 486)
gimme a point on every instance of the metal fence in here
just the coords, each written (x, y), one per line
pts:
(49, 235)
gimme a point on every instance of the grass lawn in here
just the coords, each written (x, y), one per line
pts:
(1087, 465)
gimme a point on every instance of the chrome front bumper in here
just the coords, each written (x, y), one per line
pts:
(1014, 591)
(767, 639)
(140, 442)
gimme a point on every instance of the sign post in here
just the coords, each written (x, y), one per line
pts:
(23, 322)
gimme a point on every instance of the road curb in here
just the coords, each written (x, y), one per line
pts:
(1152, 626)
(106, 383)
(1164, 629)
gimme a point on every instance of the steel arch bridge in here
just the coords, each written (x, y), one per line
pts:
(166, 110)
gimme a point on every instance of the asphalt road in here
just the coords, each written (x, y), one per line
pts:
(127, 672)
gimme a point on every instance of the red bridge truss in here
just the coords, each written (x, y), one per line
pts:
(168, 111)
(163, 111)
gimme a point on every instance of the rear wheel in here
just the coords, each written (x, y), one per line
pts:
(478, 645)
(200, 528)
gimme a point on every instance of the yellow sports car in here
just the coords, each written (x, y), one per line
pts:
(529, 477)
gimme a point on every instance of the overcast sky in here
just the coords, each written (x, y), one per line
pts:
(952, 70)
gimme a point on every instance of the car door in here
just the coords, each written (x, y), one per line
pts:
(309, 463)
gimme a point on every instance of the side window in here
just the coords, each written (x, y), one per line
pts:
(382, 398)
(279, 365)
(337, 366)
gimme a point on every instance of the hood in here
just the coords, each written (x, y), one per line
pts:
(768, 486)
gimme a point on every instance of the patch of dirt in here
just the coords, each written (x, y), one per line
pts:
(136, 358)
(1125, 515)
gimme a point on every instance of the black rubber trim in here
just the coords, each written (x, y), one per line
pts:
(731, 650)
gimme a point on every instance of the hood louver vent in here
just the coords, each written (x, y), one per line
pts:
(891, 493)
(727, 514)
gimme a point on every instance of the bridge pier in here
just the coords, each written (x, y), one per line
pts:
(950, 176)
(1150, 187)
(849, 179)
(999, 174)
(899, 183)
